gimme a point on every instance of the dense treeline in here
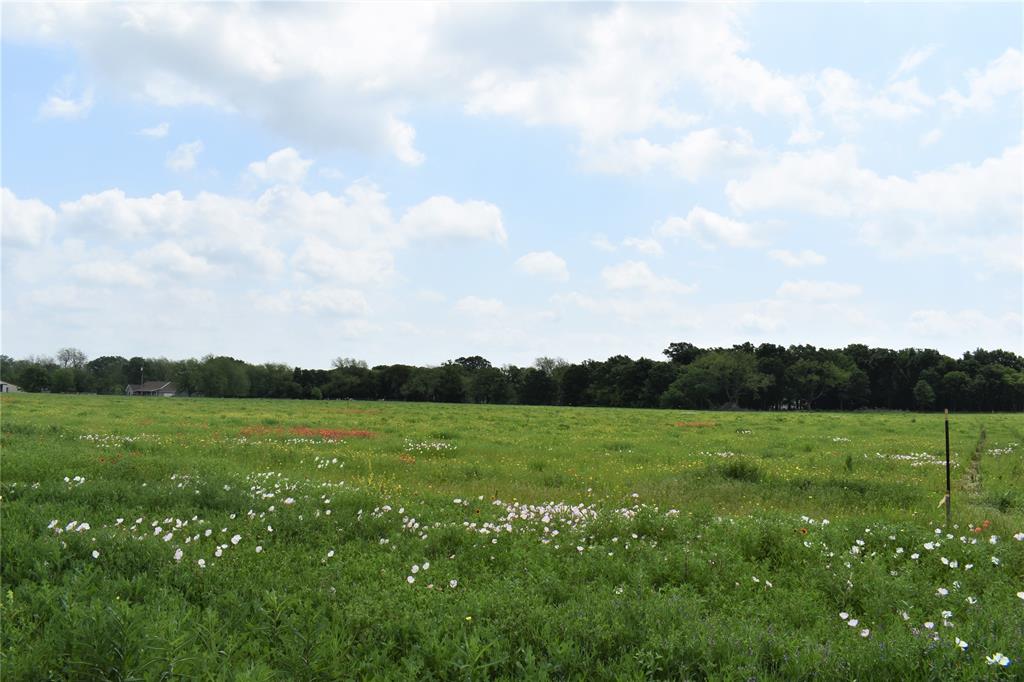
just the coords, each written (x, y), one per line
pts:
(766, 377)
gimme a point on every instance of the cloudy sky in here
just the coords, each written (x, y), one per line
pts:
(416, 182)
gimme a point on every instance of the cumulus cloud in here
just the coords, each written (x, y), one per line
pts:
(633, 274)
(967, 323)
(316, 257)
(109, 273)
(691, 157)
(183, 158)
(70, 108)
(797, 259)
(818, 291)
(848, 101)
(479, 307)
(158, 131)
(26, 222)
(444, 217)
(283, 166)
(348, 75)
(543, 264)
(971, 210)
(709, 228)
(1002, 76)
(648, 247)
(350, 237)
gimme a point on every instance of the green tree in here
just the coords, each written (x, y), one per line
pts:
(924, 395)
(718, 379)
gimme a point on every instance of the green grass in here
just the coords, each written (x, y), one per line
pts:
(688, 545)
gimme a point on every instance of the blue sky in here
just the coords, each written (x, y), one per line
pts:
(416, 182)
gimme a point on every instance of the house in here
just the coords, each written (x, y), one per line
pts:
(165, 389)
(7, 387)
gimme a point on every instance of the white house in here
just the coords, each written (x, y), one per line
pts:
(7, 387)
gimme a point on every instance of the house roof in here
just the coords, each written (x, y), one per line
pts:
(151, 386)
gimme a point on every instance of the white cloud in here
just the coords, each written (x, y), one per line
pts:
(974, 211)
(479, 307)
(753, 322)
(709, 228)
(969, 324)
(171, 257)
(443, 217)
(601, 243)
(108, 273)
(818, 291)
(648, 247)
(348, 75)
(283, 166)
(931, 137)
(26, 222)
(313, 301)
(543, 264)
(912, 60)
(68, 108)
(849, 101)
(158, 131)
(360, 266)
(1001, 77)
(183, 158)
(692, 157)
(633, 274)
(797, 259)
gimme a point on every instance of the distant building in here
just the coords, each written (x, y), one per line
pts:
(164, 389)
(6, 387)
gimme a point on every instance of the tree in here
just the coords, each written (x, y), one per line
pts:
(71, 358)
(924, 395)
(538, 388)
(809, 379)
(548, 365)
(683, 352)
(473, 363)
(343, 363)
(718, 379)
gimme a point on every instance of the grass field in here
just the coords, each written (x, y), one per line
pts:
(246, 539)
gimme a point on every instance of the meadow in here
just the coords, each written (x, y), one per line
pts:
(148, 538)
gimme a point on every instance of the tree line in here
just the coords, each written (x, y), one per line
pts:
(763, 377)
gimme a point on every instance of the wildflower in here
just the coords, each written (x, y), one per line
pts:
(1021, 595)
(844, 615)
(972, 600)
(410, 579)
(259, 548)
(995, 561)
(330, 554)
(426, 565)
(942, 592)
(929, 625)
(853, 622)
(994, 539)
(235, 539)
(865, 632)
(167, 538)
(453, 583)
(947, 614)
(961, 643)
(415, 568)
(178, 554)
(1019, 537)
(202, 563)
(95, 554)
(218, 552)
(997, 659)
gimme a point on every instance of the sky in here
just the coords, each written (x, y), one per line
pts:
(417, 182)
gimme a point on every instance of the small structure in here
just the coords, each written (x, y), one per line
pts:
(164, 389)
(7, 387)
